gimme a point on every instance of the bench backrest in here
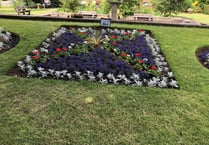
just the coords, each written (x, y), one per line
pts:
(20, 8)
(87, 12)
(142, 15)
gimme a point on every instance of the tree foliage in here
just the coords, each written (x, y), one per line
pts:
(71, 5)
(168, 7)
(128, 7)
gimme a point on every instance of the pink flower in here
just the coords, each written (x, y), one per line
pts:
(58, 49)
(114, 43)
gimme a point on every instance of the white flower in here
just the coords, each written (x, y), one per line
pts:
(69, 75)
(173, 83)
(138, 82)
(135, 76)
(110, 76)
(31, 72)
(103, 81)
(162, 84)
(28, 59)
(100, 75)
(57, 74)
(152, 83)
(43, 74)
(51, 71)
(43, 50)
(127, 81)
(40, 69)
(122, 77)
(170, 74)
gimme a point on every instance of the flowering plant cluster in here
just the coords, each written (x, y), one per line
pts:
(204, 57)
(7, 40)
(107, 55)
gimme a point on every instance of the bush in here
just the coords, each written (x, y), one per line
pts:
(206, 9)
(197, 9)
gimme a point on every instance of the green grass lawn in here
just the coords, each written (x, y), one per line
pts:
(47, 111)
(11, 10)
(203, 18)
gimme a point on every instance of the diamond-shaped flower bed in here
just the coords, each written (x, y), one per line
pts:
(7, 40)
(117, 56)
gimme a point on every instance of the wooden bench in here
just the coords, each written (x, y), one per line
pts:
(143, 17)
(23, 10)
(88, 14)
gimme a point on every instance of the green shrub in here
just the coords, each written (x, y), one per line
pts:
(206, 9)
(197, 9)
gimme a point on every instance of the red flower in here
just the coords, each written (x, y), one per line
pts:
(114, 43)
(127, 33)
(70, 27)
(123, 54)
(35, 57)
(83, 32)
(113, 36)
(58, 49)
(36, 52)
(154, 67)
(140, 61)
(140, 30)
(137, 54)
(64, 48)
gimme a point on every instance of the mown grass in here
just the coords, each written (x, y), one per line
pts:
(47, 111)
(199, 17)
(11, 10)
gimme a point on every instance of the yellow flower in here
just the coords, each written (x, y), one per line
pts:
(89, 100)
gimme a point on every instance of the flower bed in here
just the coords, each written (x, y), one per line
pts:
(203, 56)
(7, 40)
(114, 55)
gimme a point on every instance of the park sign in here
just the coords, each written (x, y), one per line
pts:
(105, 22)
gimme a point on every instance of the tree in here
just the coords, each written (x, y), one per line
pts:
(71, 5)
(129, 6)
(168, 7)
